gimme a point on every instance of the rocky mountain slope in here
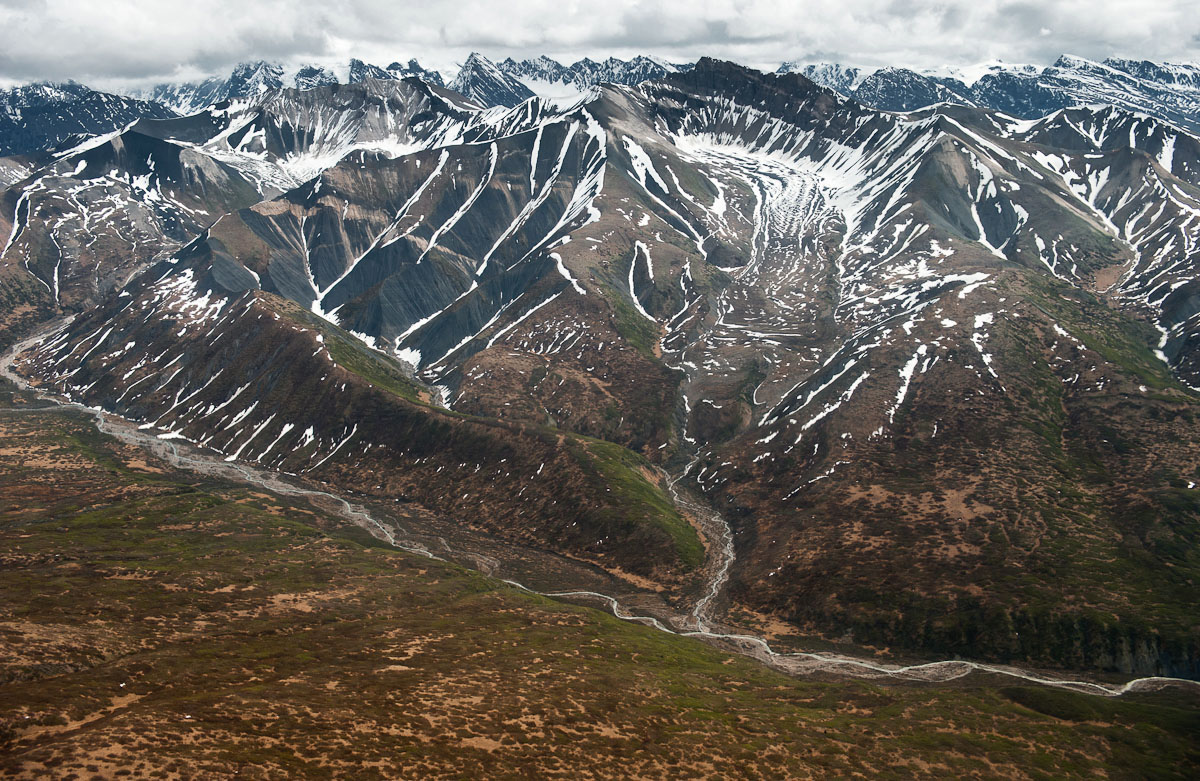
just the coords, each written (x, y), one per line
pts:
(482, 81)
(144, 191)
(932, 368)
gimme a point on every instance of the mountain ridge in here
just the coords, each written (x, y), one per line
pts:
(36, 118)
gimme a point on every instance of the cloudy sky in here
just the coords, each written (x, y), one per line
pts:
(129, 43)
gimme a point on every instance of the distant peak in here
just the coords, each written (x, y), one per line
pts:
(258, 66)
(1074, 61)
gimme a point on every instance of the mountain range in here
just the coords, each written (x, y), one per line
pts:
(252, 79)
(1166, 91)
(37, 118)
(923, 379)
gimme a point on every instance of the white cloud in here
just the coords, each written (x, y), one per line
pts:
(122, 42)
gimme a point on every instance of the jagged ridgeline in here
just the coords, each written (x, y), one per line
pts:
(934, 368)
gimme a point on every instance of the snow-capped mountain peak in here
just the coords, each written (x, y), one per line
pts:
(839, 78)
(255, 78)
(413, 69)
(37, 117)
(312, 76)
(483, 82)
(1170, 92)
(361, 71)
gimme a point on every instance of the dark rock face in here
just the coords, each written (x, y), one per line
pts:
(540, 69)
(413, 69)
(1187, 76)
(616, 71)
(483, 82)
(897, 89)
(361, 71)
(1018, 95)
(40, 117)
(312, 76)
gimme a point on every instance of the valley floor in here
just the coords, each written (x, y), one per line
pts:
(155, 623)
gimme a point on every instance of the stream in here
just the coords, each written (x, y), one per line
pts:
(698, 623)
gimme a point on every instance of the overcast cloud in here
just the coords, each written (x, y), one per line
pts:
(124, 43)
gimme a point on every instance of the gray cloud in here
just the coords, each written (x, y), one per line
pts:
(120, 43)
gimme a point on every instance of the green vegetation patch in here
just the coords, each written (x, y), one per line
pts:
(1116, 337)
(354, 356)
(639, 501)
(639, 332)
